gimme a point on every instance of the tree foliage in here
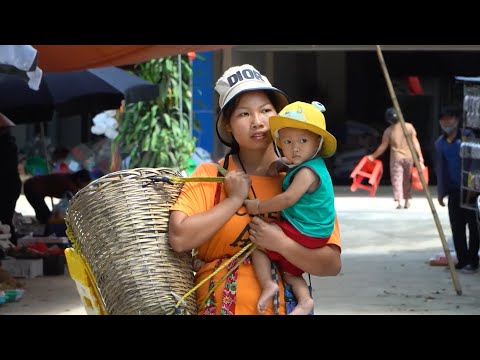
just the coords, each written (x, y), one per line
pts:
(157, 133)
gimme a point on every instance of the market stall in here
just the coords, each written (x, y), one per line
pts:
(470, 146)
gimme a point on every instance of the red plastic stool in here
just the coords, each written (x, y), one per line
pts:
(366, 169)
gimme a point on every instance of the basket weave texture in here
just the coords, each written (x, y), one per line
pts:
(120, 226)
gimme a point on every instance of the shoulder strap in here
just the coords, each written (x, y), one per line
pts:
(218, 190)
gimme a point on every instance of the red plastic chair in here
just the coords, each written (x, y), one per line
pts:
(366, 169)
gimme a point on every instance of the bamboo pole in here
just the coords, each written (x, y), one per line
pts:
(420, 173)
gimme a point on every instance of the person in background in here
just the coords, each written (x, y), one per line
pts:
(449, 169)
(211, 218)
(54, 185)
(401, 159)
(10, 182)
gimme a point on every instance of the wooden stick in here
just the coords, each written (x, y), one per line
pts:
(420, 173)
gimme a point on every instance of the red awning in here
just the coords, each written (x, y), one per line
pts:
(81, 57)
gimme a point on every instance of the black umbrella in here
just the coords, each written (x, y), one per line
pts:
(70, 93)
(20, 61)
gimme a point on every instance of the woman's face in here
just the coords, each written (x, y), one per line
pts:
(249, 121)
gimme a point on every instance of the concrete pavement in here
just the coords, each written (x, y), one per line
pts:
(385, 255)
(385, 265)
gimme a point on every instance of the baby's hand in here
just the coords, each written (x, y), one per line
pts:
(252, 206)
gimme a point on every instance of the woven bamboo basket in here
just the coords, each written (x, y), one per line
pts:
(119, 225)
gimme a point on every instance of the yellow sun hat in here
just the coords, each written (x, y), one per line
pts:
(301, 115)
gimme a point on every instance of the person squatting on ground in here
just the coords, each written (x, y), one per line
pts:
(211, 217)
(10, 182)
(300, 131)
(401, 159)
(55, 185)
(449, 170)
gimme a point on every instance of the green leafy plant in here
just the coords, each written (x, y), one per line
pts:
(157, 133)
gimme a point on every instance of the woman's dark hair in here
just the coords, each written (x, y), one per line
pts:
(231, 105)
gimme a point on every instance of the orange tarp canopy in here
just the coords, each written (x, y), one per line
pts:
(81, 57)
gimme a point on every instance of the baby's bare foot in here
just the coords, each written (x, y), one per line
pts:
(266, 296)
(304, 307)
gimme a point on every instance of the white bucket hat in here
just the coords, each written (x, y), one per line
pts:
(237, 80)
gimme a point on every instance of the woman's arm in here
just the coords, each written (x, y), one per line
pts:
(416, 145)
(323, 261)
(382, 147)
(188, 232)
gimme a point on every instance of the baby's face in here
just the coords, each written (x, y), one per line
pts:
(298, 145)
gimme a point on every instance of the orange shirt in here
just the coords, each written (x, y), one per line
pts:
(199, 197)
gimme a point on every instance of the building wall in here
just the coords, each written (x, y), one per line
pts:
(203, 105)
(304, 76)
(350, 82)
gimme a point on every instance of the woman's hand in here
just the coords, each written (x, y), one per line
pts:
(422, 163)
(190, 232)
(237, 184)
(324, 261)
(266, 235)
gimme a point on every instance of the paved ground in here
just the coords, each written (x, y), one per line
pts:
(385, 255)
(385, 269)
